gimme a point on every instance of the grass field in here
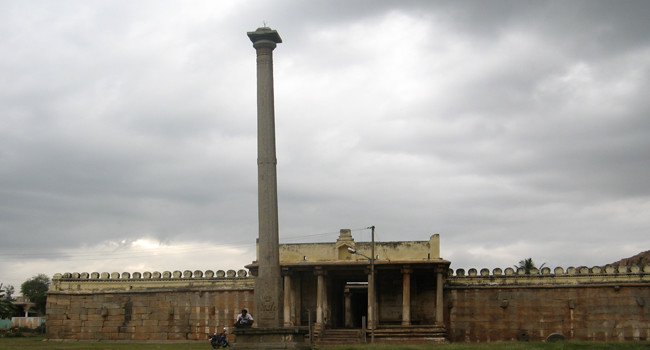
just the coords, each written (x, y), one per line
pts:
(34, 343)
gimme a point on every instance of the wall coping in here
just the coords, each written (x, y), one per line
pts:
(558, 271)
(151, 276)
(581, 275)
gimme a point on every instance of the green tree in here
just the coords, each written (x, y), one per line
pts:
(35, 289)
(8, 290)
(7, 308)
(528, 265)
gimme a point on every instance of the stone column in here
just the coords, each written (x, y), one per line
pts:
(372, 302)
(296, 305)
(439, 307)
(320, 296)
(406, 296)
(268, 284)
(348, 308)
(287, 298)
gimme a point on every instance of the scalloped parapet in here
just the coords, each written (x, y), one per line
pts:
(84, 281)
(546, 276)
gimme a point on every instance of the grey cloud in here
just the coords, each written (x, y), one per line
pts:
(508, 125)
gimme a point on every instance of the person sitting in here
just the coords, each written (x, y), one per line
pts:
(244, 320)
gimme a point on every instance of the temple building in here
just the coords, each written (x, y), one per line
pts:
(332, 280)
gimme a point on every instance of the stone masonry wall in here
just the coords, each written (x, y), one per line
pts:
(581, 303)
(178, 307)
(600, 304)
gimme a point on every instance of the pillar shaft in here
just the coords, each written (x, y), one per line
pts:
(320, 297)
(268, 284)
(406, 296)
(372, 297)
(348, 308)
(439, 307)
(287, 300)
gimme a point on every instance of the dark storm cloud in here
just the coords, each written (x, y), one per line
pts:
(519, 127)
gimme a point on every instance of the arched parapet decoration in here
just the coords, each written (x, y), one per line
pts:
(581, 275)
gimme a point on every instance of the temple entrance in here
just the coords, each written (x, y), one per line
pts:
(358, 306)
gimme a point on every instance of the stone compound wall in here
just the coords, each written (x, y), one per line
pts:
(168, 306)
(581, 303)
(608, 304)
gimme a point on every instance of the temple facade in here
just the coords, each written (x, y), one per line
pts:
(334, 281)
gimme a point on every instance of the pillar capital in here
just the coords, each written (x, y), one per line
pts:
(406, 269)
(265, 34)
(319, 271)
(442, 269)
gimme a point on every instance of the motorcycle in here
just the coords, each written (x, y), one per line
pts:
(219, 340)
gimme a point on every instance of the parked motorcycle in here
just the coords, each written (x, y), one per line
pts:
(219, 340)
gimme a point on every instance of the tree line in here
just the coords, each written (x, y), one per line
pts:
(35, 289)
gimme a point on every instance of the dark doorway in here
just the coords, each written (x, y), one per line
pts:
(359, 306)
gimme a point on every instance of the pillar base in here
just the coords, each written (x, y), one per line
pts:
(270, 338)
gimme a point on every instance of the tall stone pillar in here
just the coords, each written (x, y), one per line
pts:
(268, 284)
(270, 333)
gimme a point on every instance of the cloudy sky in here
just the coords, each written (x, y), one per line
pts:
(513, 129)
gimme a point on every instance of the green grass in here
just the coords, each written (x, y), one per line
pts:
(505, 346)
(37, 343)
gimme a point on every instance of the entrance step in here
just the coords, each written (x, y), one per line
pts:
(384, 334)
(411, 334)
(339, 337)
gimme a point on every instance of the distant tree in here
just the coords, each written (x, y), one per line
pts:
(7, 308)
(35, 289)
(9, 290)
(528, 265)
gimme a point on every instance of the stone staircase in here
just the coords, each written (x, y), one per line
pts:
(410, 334)
(331, 337)
(416, 334)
